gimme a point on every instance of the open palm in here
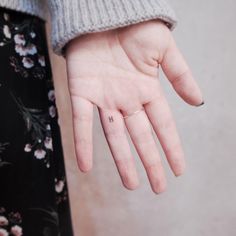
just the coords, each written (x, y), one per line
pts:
(117, 70)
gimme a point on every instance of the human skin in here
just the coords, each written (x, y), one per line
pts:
(117, 70)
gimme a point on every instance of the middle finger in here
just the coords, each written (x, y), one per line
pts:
(114, 129)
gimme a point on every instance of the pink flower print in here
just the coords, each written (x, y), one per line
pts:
(3, 232)
(48, 143)
(15, 217)
(48, 127)
(19, 39)
(39, 153)
(32, 34)
(31, 49)
(51, 95)
(41, 61)
(28, 147)
(2, 210)
(21, 50)
(6, 31)
(52, 111)
(6, 17)
(16, 230)
(59, 186)
(3, 221)
(27, 62)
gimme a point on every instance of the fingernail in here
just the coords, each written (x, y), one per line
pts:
(200, 104)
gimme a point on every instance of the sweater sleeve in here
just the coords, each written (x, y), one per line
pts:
(72, 18)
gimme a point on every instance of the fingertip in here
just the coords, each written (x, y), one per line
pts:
(201, 104)
(161, 188)
(85, 168)
(195, 102)
(179, 173)
(131, 185)
(159, 185)
(179, 169)
(188, 89)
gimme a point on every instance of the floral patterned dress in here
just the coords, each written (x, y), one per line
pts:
(33, 193)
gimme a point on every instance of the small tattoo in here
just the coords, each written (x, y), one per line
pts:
(110, 118)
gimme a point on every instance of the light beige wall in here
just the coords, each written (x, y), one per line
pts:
(203, 201)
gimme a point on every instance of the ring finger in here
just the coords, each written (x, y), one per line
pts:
(141, 134)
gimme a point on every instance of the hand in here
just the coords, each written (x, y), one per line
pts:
(117, 70)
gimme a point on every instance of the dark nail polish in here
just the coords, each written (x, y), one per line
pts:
(200, 104)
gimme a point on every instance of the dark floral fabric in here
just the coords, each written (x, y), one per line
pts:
(33, 192)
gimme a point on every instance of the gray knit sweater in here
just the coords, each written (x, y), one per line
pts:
(72, 18)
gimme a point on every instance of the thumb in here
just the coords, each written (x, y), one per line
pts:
(180, 76)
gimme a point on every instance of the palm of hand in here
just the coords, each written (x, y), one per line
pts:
(117, 70)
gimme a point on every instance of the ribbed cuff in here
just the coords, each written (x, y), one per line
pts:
(32, 7)
(73, 18)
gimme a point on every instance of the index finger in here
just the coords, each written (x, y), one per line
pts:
(161, 118)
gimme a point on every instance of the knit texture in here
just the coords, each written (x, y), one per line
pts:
(72, 18)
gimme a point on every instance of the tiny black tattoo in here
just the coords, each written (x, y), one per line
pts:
(111, 119)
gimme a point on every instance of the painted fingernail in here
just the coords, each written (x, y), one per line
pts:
(201, 104)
